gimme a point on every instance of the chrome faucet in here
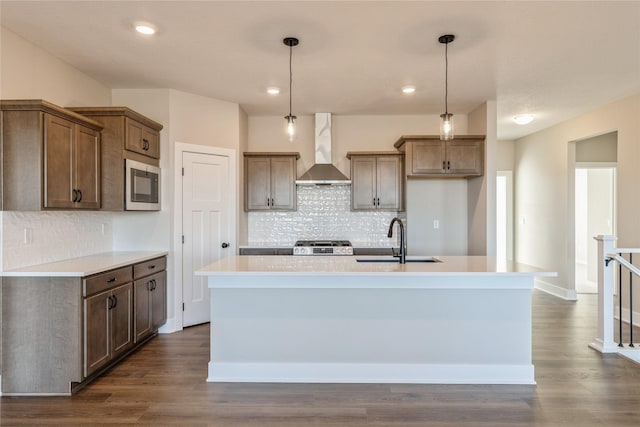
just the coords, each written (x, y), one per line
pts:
(403, 243)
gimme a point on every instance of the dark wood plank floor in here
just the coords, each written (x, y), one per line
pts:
(164, 384)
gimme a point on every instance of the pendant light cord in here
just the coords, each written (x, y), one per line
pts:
(446, 78)
(290, 77)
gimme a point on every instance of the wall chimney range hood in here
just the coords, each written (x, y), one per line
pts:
(323, 172)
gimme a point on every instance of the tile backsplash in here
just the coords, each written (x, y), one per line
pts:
(30, 238)
(324, 212)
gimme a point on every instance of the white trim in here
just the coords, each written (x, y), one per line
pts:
(596, 165)
(370, 373)
(555, 290)
(169, 326)
(181, 147)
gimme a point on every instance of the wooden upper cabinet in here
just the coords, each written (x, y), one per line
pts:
(428, 156)
(142, 139)
(270, 181)
(127, 134)
(377, 181)
(51, 157)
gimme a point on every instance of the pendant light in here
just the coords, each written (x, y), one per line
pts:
(446, 124)
(291, 125)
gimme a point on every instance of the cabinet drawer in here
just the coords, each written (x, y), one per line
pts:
(103, 281)
(149, 267)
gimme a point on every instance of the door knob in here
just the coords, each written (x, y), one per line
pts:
(225, 245)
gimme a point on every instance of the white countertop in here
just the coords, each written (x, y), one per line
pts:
(84, 266)
(348, 265)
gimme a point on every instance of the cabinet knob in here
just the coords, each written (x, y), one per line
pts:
(225, 245)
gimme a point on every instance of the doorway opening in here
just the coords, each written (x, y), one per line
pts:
(594, 204)
(504, 215)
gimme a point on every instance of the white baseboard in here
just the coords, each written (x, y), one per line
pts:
(370, 373)
(555, 290)
(626, 317)
(169, 326)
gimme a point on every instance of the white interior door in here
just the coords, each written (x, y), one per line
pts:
(205, 225)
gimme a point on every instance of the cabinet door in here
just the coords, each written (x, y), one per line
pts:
(133, 136)
(464, 157)
(151, 140)
(58, 162)
(389, 183)
(427, 157)
(283, 186)
(142, 316)
(363, 183)
(97, 341)
(257, 183)
(121, 319)
(159, 300)
(87, 167)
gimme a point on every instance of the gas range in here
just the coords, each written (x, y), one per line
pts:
(323, 247)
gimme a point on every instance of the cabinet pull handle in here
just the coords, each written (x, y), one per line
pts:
(80, 193)
(152, 266)
(374, 201)
(113, 279)
(154, 284)
(272, 204)
(110, 303)
(448, 165)
(115, 301)
(145, 144)
(377, 201)
(149, 285)
(74, 198)
(444, 165)
(268, 201)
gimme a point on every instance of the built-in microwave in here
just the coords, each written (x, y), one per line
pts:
(142, 186)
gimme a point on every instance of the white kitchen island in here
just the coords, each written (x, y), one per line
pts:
(334, 319)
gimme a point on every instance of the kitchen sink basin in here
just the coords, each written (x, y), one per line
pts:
(395, 259)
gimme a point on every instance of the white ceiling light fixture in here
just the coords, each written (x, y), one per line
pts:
(446, 124)
(408, 89)
(273, 90)
(523, 119)
(145, 28)
(291, 125)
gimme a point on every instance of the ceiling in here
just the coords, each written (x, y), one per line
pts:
(555, 59)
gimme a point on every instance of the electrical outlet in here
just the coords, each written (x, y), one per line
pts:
(436, 224)
(104, 228)
(28, 236)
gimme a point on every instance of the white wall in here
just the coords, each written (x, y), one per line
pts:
(29, 72)
(188, 119)
(544, 172)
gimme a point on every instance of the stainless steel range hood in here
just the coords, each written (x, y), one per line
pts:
(323, 172)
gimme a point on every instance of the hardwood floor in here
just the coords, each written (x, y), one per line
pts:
(164, 384)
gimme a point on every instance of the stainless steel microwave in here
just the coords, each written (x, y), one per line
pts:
(142, 186)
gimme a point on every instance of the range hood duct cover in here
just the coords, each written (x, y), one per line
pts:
(323, 172)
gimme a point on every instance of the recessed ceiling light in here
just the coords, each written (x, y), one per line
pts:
(408, 89)
(273, 90)
(523, 119)
(145, 28)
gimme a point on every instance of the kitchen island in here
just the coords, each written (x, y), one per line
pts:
(334, 319)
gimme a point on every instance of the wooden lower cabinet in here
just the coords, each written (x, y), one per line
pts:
(150, 304)
(59, 333)
(108, 325)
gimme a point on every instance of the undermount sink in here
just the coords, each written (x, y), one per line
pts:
(396, 259)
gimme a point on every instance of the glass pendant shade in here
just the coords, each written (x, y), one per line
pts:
(291, 127)
(446, 126)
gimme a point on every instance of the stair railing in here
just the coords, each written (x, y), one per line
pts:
(607, 254)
